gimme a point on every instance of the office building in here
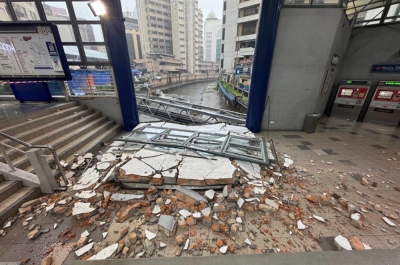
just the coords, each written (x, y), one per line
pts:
(212, 38)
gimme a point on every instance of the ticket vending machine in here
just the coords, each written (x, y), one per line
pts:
(350, 98)
(385, 105)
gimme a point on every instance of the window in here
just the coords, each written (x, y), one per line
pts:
(249, 28)
(225, 5)
(55, 11)
(223, 34)
(222, 63)
(91, 32)
(25, 11)
(223, 19)
(222, 48)
(251, 10)
(82, 11)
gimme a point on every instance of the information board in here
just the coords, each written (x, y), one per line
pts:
(32, 51)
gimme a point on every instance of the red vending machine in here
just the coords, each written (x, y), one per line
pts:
(350, 98)
(385, 105)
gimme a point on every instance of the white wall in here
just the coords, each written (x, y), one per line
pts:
(306, 40)
(109, 107)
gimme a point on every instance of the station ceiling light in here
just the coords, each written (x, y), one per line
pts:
(97, 7)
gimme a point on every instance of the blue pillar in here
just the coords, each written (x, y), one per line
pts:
(116, 38)
(262, 60)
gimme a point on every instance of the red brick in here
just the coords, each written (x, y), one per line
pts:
(190, 221)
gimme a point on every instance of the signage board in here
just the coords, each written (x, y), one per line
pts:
(386, 68)
(32, 51)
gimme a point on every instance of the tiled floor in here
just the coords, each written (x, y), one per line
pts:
(11, 109)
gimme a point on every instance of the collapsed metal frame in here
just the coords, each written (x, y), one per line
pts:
(187, 113)
(218, 144)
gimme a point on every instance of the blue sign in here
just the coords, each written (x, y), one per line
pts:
(386, 68)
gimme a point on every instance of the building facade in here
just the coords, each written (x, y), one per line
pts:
(154, 18)
(187, 28)
(212, 38)
(132, 37)
(239, 31)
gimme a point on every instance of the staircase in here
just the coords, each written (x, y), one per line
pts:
(70, 128)
(12, 195)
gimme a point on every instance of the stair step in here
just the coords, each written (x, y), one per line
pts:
(9, 207)
(45, 138)
(59, 141)
(7, 188)
(35, 132)
(34, 115)
(27, 125)
(80, 147)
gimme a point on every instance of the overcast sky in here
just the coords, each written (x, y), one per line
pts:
(206, 5)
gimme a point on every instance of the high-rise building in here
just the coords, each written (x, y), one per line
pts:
(132, 36)
(212, 38)
(155, 26)
(239, 31)
(172, 27)
(187, 31)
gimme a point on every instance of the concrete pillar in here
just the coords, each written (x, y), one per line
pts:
(42, 170)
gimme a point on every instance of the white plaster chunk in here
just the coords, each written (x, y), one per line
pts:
(137, 167)
(239, 220)
(120, 197)
(162, 161)
(85, 234)
(186, 244)
(206, 211)
(150, 235)
(83, 249)
(271, 203)
(388, 221)
(271, 180)
(167, 202)
(89, 178)
(171, 173)
(105, 253)
(81, 208)
(88, 155)
(356, 216)
(225, 191)
(55, 226)
(252, 199)
(366, 246)
(240, 202)
(341, 243)
(117, 143)
(104, 234)
(209, 194)
(300, 225)
(62, 202)
(223, 170)
(103, 165)
(288, 162)
(108, 157)
(318, 218)
(277, 174)
(50, 207)
(252, 170)
(156, 209)
(162, 244)
(74, 166)
(215, 216)
(86, 194)
(185, 213)
(247, 241)
(196, 215)
(7, 225)
(102, 223)
(223, 249)
(106, 194)
(29, 218)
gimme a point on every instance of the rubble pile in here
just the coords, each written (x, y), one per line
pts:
(253, 209)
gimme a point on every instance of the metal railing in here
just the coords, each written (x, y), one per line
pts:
(49, 147)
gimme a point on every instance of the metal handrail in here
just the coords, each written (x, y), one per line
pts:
(51, 148)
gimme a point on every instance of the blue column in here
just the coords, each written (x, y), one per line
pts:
(262, 60)
(116, 38)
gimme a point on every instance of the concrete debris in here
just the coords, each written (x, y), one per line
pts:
(186, 244)
(247, 241)
(119, 197)
(210, 194)
(7, 225)
(105, 253)
(300, 225)
(167, 222)
(162, 245)
(150, 235)
(341, 243)
(85, 233)
(271, 203)
(82, 209)
(223, 249)
(387, 220)
(104, 234)
(185, 213)
(84, 249)
(318, 218)
(190, 193)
